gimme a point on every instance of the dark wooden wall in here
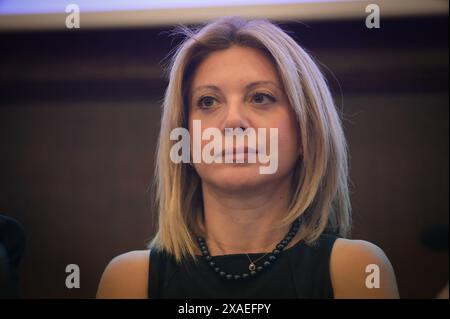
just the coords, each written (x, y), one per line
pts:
(79, 118)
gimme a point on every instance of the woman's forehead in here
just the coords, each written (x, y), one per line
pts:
(240, 65)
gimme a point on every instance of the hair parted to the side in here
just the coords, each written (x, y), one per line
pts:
(320, 193)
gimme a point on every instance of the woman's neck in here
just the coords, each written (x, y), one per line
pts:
(244, 222)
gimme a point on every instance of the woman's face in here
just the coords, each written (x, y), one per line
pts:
(239, 87)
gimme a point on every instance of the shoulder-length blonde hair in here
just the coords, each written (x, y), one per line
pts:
(319, 192)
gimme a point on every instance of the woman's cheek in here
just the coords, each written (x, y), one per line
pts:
(288, 143)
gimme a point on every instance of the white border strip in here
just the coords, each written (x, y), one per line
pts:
(281, 12)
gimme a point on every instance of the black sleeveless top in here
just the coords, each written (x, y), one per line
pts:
(301, 271)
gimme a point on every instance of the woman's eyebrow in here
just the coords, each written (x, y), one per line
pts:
(211, 87)
(248, 86)
(257, 83)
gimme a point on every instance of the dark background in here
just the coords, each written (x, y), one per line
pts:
(79, 119)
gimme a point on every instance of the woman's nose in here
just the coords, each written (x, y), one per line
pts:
(236, 116)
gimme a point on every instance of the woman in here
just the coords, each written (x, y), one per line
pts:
(227, 229)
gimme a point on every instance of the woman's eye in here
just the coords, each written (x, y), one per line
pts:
(262, 98)
(206, 102)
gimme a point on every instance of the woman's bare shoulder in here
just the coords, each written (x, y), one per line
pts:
(126, 276)
(360, 269)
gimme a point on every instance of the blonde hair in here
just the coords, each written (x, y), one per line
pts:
(319, 193)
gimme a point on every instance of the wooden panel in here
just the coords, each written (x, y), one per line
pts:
(399, 170)
(77, 177)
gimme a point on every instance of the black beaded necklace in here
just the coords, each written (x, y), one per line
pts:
(252, 267)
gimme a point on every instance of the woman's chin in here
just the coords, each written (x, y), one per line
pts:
(235, 177)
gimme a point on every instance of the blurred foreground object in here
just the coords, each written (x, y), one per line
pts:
(436, 239)
(12, 244)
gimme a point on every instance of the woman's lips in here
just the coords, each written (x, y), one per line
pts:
(239, 154)
(239, 151)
